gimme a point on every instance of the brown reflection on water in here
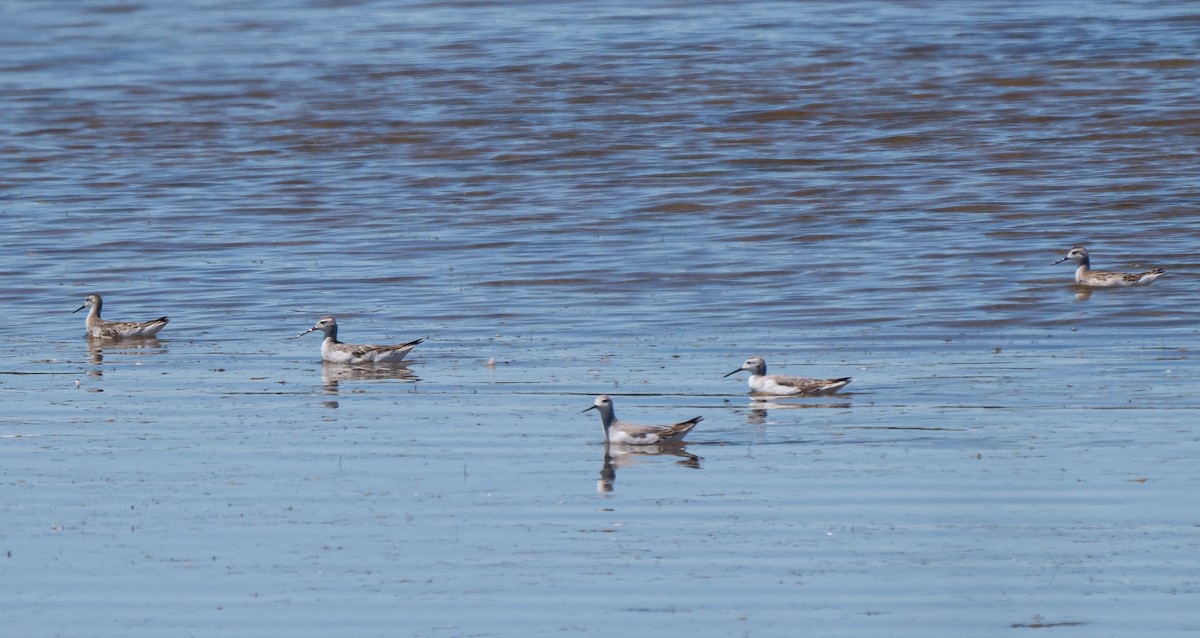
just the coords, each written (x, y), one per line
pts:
(97, 348)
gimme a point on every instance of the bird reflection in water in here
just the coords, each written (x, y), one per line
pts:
(97, 348)
(758, 408)
(623, 456)
(333, 374)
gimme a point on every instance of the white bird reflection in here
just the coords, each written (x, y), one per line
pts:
(623, 456)
(757, 414)
(334, 373)
(97, 348)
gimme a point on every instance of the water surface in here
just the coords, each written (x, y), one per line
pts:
(599, 199)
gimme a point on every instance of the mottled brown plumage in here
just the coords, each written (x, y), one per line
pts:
(101, 329)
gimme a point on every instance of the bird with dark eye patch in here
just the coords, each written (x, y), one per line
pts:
(780, 385)
(335, 351)
(1085, 276)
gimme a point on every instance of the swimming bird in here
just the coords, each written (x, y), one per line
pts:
(101, 329)
(619, 432)
(335, 351)
(763, 383)
(1105, 278)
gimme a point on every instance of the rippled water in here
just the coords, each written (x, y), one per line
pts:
(600, 199)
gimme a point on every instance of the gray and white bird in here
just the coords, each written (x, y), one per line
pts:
(618, 432)
(1084, 275)
(335, 351)
(780, 385)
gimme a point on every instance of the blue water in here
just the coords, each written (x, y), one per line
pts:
(597, 198)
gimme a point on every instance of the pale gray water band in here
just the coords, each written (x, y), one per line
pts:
(602, 199)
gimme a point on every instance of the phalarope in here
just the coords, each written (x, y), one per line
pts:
(619, 432)
(101, 329)
(778, 384)
(335, 351)
(1104, 278)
